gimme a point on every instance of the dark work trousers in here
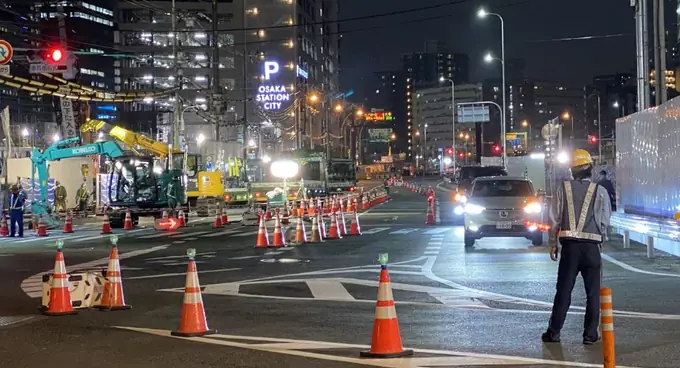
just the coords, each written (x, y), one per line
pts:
(584, 257)
(16, 219)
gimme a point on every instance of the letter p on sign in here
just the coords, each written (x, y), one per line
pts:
(270, 67)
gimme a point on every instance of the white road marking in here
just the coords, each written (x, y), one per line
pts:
(437, 231)
(428, 253)
(272, 253)
(375, 230)
(153, 236)
(221, 233)
(249, 233)
(187, 235)
(433, 248)
(328, 289)
(287, 346)
(244, 257)
(404, 231)
(177, 274)
(191, 239)
(637, 270)
(179, 242)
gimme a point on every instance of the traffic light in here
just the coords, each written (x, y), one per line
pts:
(592, 139)
(449, 151)
(496, 149)
(55, 55)
(461, 155)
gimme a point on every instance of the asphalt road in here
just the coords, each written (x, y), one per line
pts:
(313, 305)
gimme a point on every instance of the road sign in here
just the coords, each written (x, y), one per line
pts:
(6, 52)
(38, 68)
(4, 69)
(473, 114)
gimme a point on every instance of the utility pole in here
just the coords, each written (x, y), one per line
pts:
(659, 75)
(662, 52)
(245, 89)
(217, 92)
(178, 128)
(642, 51)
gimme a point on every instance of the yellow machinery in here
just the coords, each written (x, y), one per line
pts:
(205, 189)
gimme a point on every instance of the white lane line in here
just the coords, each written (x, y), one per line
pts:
(328, 289)
(375, 230)
(437, 231)
(634, 269)
(177, 274)
(225, 232)
(272, 253)
(187, 235)
(404, 231)
(434, 248)
(431, 253)
(191, 239)
(249, 233)
(179, 242)
(244, 257)
(153, 236)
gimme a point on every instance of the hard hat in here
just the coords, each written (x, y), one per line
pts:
(581, 158)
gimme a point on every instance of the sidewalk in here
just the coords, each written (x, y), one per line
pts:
(636, 257)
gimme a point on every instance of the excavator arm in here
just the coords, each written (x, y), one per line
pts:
(129, 137)
(57, 151)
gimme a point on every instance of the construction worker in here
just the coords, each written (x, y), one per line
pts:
(580, 215)
(16, 211)
(60, 197)
(82, 196)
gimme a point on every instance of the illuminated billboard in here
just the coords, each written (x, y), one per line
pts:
(379, 135)
(378, 116)
(270, 94)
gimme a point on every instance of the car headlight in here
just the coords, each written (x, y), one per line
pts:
(460, 198)
(533, 208)
(473, 209)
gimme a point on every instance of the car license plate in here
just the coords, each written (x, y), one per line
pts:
(504, 225)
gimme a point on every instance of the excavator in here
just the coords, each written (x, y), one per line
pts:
(204, 189)
(139, 184)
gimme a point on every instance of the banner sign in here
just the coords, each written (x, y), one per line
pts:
(379, 135)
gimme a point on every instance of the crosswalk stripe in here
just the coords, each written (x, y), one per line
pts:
(375, 230)
(436, 231)
(404, 231)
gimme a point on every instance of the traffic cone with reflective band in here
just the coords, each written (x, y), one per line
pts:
(112, 297)
(303, 207)
(322, 228)
(342, 227)
(364, 202)
(285, 219)
(311, 210)
(60, 292)
(68, 224)
(278, 239)
(355, 205)
(42, 227)
(218, 221)
(430, 220)
(354, 228)
(334, 232)
(386, 340)
(316, 231)
(225, 217)
(106, 226)
(268, 214)
(349, 205)
(193, 322)
(262, 236)
(182, 219)
(4, 230)
(300, 232)
(128, 225)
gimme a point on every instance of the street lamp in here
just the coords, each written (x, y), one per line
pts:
(616, 104)
(56, 137)
(200, 139)
(24, 132)
(482, 13)
(525, 124)
(453, 114)
(567, 116)
(314, 97)
(338, 108)
(360, 112)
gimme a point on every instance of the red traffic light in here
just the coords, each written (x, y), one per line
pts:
(449, 151)
(496, 148)
(592, 139)
(55, 55)
(461, 155)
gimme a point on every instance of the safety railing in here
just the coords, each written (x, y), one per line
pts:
(650, 231)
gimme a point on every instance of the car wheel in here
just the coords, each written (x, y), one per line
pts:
(537, 239)
(469, 240)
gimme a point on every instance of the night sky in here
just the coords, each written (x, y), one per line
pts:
(528, 24)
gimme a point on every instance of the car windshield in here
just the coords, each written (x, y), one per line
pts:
(502, 188)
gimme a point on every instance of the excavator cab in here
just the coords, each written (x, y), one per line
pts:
(145, 182)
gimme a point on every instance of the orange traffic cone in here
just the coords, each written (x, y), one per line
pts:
(68, 224)
(349, 205)
(341, 222)
(316, 231)
(182, 219)
(42, 227)
(4, 230)
(333, 232)
(218, 221)
(225, 217)
(429, 220)
(285, 219)
(106, 226)
(127, 224)
(262, 237)
(386, 341)
(303, 207)
(278, 239)
(364, 202)
(322, 228)
(193, 322)
(60, 293)
(268, 214)
(112, 297)
(354, 228)
(300, 233)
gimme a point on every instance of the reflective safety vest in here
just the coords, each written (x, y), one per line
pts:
(578, 198)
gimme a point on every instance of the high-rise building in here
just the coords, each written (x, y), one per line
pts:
(426, 69)
(385, 91)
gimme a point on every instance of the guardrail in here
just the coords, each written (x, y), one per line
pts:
(663, 234)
